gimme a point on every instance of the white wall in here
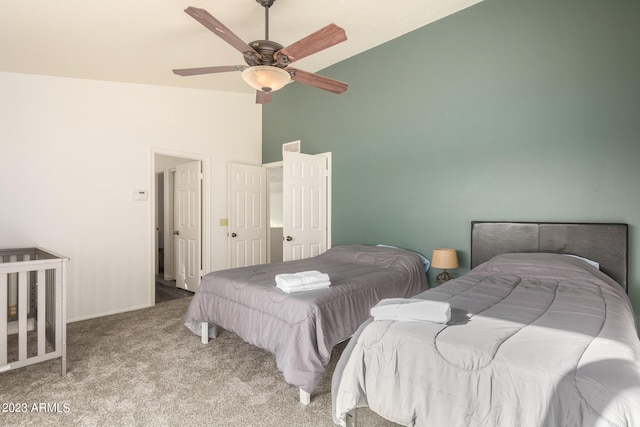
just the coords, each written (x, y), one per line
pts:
(72, 151)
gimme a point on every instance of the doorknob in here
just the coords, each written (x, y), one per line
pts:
(233, 234)
(289, 238)
(177, 232)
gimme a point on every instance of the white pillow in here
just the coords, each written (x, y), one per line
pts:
(425, 261)
(592, 263)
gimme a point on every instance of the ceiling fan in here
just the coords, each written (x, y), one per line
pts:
(267, 68)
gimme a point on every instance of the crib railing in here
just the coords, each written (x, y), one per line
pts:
(33, 321)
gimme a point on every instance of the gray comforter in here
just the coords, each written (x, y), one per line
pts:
(300, 329)
(534, 340)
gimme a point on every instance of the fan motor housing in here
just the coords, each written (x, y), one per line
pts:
(267, 50)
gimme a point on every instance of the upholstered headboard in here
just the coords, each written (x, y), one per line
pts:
(605, 243)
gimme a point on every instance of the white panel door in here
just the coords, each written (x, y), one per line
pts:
(305, 205)
(188, 220)
(247, 215)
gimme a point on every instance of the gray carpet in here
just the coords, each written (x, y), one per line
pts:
(145, 368)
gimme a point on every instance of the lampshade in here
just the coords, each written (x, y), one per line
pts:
(444, 259)
(265, 77)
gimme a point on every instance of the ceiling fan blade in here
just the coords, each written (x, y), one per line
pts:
(208, 70)
(320, 40)
(263, 97)
(219, 29)
(318, 81)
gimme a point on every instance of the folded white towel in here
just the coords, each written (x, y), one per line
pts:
(412, 309)
(302, 288)
(302, 278)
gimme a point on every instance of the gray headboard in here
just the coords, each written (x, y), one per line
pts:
(605, 243)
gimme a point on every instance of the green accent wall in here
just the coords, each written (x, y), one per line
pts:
(508, 110)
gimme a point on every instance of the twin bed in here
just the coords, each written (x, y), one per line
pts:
(302, 328)
(536, 338)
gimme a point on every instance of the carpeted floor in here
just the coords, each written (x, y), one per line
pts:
(144, 368)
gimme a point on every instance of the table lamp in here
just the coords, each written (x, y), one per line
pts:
(445, 259)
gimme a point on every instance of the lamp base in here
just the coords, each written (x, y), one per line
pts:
(443, 277)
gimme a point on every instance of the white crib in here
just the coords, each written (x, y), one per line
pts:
(33, 321)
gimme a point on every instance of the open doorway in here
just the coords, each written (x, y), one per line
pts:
(280, 211)
(166, 254)
(275, 208)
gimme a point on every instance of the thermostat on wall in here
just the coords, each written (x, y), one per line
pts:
(140, 195)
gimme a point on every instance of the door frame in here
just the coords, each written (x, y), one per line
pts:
(156, 230)
(205, 206)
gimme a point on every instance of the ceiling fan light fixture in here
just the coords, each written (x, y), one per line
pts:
(266, 78)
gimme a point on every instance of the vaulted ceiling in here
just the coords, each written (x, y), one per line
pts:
(142, 41)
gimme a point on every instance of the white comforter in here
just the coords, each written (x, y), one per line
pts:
(534, 340)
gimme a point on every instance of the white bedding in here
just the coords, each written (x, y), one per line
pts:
(534, 340)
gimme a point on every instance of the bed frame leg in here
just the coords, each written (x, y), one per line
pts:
(204, 332)
(305, 398)
(352, 418)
